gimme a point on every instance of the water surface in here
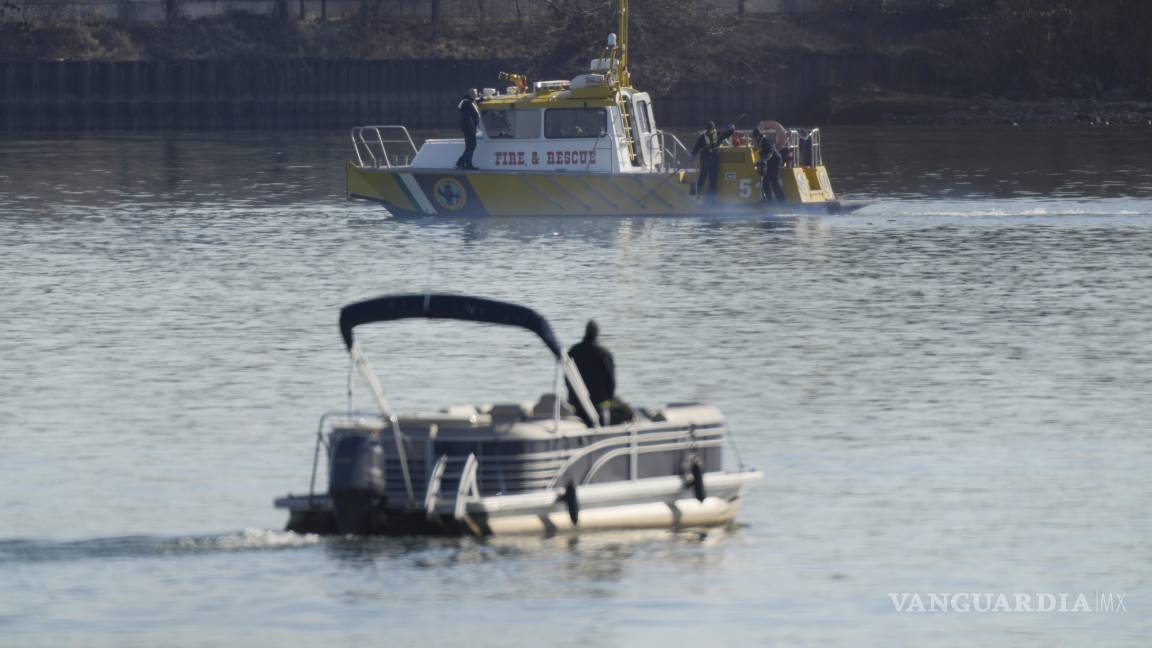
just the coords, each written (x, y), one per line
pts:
(947, 392)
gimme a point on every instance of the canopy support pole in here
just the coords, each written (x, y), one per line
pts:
(578, 386)
(390, 414)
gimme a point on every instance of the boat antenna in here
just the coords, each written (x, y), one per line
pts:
(351, 383)
(428, 282)
(616, 51)
(618, 46)
(622, 79)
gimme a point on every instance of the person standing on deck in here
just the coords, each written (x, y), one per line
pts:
(708, 147)
(769, 167)
(469, 122)
(598, 370)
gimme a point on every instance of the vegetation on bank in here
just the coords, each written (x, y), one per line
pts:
(1022, 50)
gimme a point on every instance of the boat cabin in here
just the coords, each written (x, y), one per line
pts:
(579, 125)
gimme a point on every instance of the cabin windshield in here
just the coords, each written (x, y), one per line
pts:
(642, 112)
(511, 124)
(570, 123)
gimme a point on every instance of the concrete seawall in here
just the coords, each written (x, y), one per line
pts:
(150, 95)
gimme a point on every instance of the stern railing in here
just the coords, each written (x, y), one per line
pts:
(389, 429)
(805, 144)
(321, 427)
(371, 145)
(817, 154)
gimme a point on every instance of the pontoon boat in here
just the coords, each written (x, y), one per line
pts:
(511, 468)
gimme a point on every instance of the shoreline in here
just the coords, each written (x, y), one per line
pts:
(887, 107)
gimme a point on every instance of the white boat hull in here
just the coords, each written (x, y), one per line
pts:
(654, 503)
(677, 514)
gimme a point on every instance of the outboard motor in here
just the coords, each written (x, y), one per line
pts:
(356, 482)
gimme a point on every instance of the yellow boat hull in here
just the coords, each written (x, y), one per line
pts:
(411, 191)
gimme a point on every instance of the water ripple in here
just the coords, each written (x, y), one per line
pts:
(36, 551)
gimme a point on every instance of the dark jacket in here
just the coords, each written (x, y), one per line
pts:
(770, 160)
(469, 115)
(598, 370)
(708, 148)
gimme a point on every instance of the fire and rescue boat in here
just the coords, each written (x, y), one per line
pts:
(585, 146)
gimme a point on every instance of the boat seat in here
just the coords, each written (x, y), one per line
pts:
(651, 414)
(463, 411)
(507, 411)
(543, 408)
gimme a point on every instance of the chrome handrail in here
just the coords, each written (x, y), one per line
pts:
(817, 152)
(670, 152)
(634, 454)
(468, 489)
(316, 455)
(792, 144)
(624, 440)
(365, 147)
(816, 155)
(320, 441)
(432, 491)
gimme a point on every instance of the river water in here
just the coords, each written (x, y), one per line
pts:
(948, 392)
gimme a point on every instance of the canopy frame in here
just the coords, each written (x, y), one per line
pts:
(455, 307)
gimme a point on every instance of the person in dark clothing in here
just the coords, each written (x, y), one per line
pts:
(708, 148)
(806, 151)
(770, 163)
(597, 369)
(469, 122)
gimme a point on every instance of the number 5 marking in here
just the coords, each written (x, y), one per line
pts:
(745, 187)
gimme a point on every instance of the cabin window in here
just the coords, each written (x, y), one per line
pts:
(642, 112)
(511, 124)
(570, 123)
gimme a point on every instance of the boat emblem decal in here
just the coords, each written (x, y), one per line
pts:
(449, 194)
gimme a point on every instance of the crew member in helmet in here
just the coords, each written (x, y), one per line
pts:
(469, 122)
(708, 148)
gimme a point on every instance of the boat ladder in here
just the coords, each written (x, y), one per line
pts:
(626, 119)
(371, 145)
(432, 493)
(467, 489)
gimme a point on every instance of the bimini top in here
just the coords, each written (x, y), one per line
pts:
(438, 306)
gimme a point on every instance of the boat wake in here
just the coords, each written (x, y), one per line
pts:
(29, 551)
(1010, 208)
(24, 551)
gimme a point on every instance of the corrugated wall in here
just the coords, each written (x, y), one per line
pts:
(148, 95)
(155, 10)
